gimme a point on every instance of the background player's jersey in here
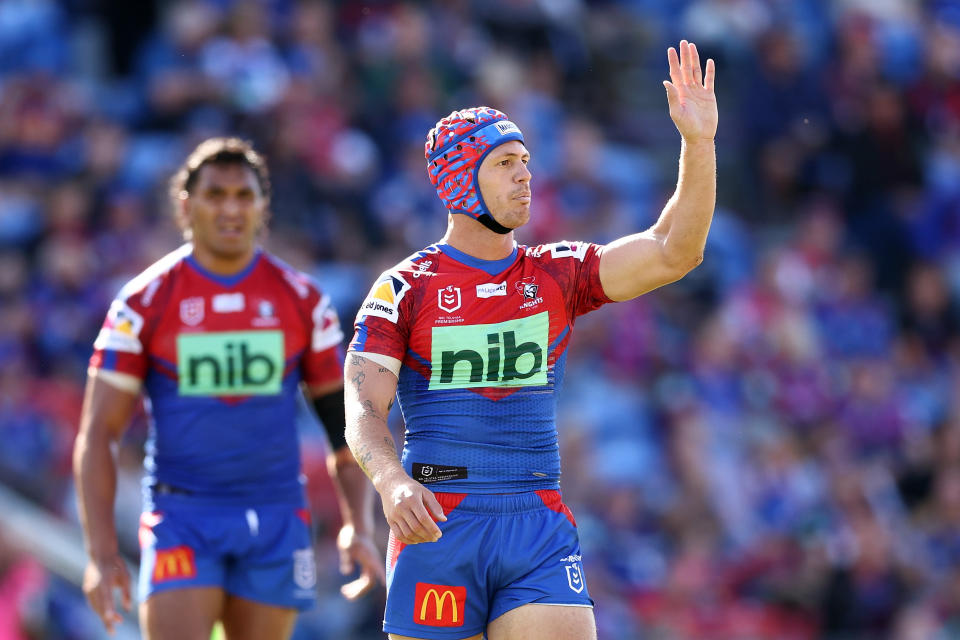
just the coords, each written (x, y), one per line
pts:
(221, 358)
(483, 345)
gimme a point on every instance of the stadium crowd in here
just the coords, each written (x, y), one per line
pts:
(768, 449)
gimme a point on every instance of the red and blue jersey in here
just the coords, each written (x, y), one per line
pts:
(221, 359)
(482, 345)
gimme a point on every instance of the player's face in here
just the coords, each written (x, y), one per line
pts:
(504, 183)
(225, 209)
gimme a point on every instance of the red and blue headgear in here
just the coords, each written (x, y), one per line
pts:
(456, 147)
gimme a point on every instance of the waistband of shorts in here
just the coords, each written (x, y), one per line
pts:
(500, 502)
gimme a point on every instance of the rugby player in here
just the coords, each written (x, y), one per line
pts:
(471, 335)
(221, 337)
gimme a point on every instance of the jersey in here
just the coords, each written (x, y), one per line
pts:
(221, 359)
(483, 346)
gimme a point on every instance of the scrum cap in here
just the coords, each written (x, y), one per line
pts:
(454, 150)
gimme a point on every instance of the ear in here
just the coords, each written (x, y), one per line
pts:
(182, 211)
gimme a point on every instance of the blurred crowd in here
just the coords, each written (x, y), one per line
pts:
(768, 449)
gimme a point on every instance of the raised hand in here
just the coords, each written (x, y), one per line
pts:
(693, 104)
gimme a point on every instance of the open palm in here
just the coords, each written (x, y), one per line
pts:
(693, 104)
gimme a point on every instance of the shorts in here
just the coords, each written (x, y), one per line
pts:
(497, 553)
(261, 553)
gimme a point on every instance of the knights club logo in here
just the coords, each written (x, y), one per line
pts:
(527, 287)
(448, 298)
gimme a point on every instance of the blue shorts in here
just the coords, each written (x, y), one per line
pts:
(497, 553)
(262, 553)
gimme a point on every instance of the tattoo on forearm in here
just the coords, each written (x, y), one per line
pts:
(363, 459)
(358, 379)
(369, 411)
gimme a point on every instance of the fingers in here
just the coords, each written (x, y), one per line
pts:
(123, 582)
(686, 63)
(695, 64)
(686, 69)
(356, 588)
(434, 507)
(674, 62)
(673, 96)
(346, 562)
(98, 585)
(711, 72)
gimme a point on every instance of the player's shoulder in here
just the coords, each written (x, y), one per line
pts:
(144, 286)
(565, 249)
(392, 285)
(298, 283)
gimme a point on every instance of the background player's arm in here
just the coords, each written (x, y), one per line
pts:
(636, 264)
(409, 507)
(354, 495)
(107, 411)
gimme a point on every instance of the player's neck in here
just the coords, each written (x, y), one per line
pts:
(472, 238)
(220, 264)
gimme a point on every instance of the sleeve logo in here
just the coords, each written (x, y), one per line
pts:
(384, 298)
(121, 330)
(576, 250)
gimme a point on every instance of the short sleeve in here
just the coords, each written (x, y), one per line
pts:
(383, 321)
(119, 346)
(323, 361)
(576, 267)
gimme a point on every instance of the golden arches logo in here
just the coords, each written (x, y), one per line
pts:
(172, 564)
(439, 594)
(438, 601)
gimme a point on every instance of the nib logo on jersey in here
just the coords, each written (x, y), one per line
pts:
(504, 354)
(230, 363)
(385, 296)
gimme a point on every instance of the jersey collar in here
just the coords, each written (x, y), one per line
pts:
(230, 280)
(493, 267)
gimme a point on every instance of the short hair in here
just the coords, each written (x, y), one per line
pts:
(217, 151)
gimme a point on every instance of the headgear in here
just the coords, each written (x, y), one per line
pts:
(455, 149)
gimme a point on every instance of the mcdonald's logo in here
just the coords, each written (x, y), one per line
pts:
(439, 605)
(174, 564)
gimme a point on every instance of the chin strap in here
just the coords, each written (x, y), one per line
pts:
(487, 220)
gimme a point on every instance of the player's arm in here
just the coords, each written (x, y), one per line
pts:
(354, 494)
(636, 264)
(109, 402)
(410, 508)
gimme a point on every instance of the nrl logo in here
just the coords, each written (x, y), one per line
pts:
(448, 298)
(191, 311)
(574, 577)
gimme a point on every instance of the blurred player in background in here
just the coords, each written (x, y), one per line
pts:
(221, 336)
(471, 333)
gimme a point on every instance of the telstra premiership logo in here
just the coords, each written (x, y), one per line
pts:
(439, 605)
(504, 354)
